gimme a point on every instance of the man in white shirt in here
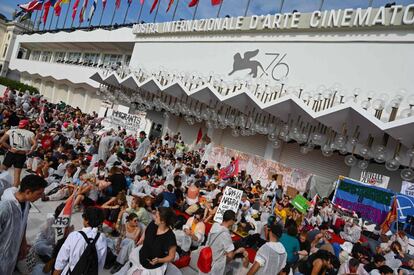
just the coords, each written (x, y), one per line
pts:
(353, 266)
(219, 239)
(75, 244)
(19, 143)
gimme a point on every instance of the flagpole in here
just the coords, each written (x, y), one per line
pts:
(195, 10)
(51, 19)
(247, 8)
(126, 12)
(100, 19)
(113, 16)
(321, 5)
(140, 11)
(57, 21)
(40, 18)
(396, 211)
(218, 12)
(67, 12)
(156, 12)
(281, 6)
(175, 10)
(34, 22)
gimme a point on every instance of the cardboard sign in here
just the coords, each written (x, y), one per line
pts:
(230, 201)
(129, 122)
(291, 191)
(374, 179)
(300, 203)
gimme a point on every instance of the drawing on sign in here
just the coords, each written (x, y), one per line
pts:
(244, 63)
(277, 68)
(230, 201)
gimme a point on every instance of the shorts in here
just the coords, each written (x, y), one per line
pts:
(15, 160)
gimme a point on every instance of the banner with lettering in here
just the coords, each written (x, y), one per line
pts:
(407, 188)
(129, 122)
(260, 168)
(230, 201)
(373, 203)
(374, 179)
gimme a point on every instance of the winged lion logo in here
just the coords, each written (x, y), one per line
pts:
(244, 63)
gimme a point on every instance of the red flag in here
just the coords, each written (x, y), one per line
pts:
(230, 171)
(32, 5)
(117, 3)
(216, 2)
(103, 4)
(75, 9)
(170, 4)
(193, 3)
(154, 4)
(199, 135)
(142, 2)
(82, 11)
(46, 11)
(57, 7)
(391, 217)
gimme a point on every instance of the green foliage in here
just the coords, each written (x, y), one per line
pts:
(18, 86)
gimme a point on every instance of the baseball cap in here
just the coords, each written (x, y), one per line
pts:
(23, 123)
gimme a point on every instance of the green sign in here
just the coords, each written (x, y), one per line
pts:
(300, 203)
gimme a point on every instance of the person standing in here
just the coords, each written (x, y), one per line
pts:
(14, 210)
(19, 143)
(271, 257)
(141, 151)
(72, 249)
(105, 146)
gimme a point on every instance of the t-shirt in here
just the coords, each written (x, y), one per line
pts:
(118, 183)
(20, 139)
(155, 246)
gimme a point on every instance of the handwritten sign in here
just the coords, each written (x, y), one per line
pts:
(374, 179)
(230, 201)
(129, 122)
(300, 203)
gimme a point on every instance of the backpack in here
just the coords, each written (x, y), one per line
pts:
(205, 259)
(88, 262)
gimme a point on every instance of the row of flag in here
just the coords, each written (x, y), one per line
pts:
(37, 5)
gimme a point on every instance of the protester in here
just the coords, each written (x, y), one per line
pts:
(14, 210)
(76, 243)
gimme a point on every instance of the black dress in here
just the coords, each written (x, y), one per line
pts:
(155, 246)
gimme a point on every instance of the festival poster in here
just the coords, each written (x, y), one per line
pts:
(230, 201)
(374, 179)
(260, 168)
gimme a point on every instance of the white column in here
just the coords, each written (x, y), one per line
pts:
(41, 87)
(68, 94)
(85, 102)
(269, 150)
(54, 92)
(165, 128)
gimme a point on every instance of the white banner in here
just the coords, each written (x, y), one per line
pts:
(375, 179)
(407, 188)
(129, 122)
(230, 201)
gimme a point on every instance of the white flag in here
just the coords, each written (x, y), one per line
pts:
(93, 8)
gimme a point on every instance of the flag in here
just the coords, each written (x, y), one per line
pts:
(75, 9)
(193, 3)
(117, 4)
(93, 8)
(129, 2)
(391, 217)
(57, 6)
(63, 220)
(103, 4)
(154, 4)
(170, 4)
(216, 2)
(46, 8)
(142, 2)
(32, 5)
(199, 135)
(82, 11)
(41, 118)
(230, 171)
(315, 200)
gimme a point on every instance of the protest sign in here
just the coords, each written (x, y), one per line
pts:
(300, 203)
(407, 188)
(374, 179)
(230, 201)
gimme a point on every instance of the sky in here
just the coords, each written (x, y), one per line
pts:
(204, 10)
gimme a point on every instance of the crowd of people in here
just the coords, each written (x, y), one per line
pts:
(149, 205)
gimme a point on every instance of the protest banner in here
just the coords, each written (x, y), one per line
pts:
(374, 179)
(130, 122)
(407, 188)
(300, 203)
(230, 201)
